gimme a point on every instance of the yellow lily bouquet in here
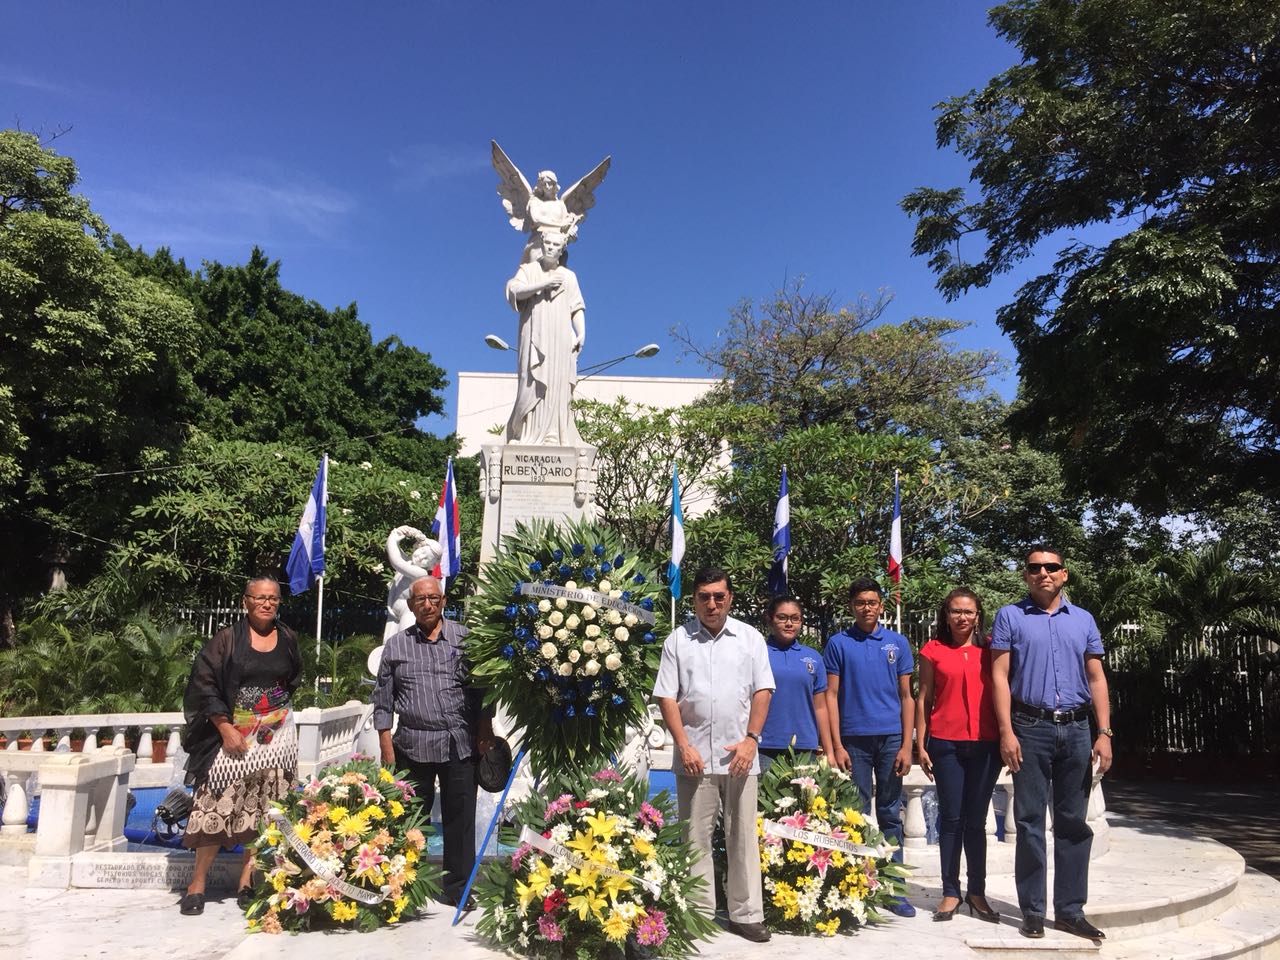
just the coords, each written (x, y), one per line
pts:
(598, 872)
(824, 867)
(347, 850)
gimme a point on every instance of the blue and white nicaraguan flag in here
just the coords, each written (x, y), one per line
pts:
(781, 539)
(445, 529)
(306, 559)
(677, 536)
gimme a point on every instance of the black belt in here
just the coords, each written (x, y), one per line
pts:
(1053, 716)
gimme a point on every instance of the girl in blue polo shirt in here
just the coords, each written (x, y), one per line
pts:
(798, 710)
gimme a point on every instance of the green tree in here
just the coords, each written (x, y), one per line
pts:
(637, 447)
(274, 366)
(809, 362)
(94, 367)
(1147, 357)
(841, 496)
(229, 510)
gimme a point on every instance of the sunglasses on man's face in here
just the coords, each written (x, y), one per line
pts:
(1046, 567)
(719, 597)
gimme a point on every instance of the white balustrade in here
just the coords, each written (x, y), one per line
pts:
(16, 802)
(61, 729)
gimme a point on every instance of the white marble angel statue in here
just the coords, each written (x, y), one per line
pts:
(552, 331)
(542, 207)
(426, 554)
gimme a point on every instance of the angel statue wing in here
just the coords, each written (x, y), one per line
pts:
(581, 197)
(513, 188)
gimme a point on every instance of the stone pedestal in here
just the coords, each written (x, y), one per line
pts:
(526, 482)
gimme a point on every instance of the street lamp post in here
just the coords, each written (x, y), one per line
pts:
(495, 342)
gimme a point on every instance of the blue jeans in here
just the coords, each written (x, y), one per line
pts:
(965, 772)
(875, 755)
(1056, 767)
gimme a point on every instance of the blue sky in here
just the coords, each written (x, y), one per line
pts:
(751, 142)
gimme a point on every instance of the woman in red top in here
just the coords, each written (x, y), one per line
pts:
(960, 746)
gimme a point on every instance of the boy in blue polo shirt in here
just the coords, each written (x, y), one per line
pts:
(872, 711)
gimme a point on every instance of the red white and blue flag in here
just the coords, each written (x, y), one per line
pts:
(895, 536)
(445, 529)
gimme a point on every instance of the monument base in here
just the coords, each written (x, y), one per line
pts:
(522, 482)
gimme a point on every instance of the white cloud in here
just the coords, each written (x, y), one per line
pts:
(225, 210)
(421, 164)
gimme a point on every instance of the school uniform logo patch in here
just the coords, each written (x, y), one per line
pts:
(808, 664)
(891, 652)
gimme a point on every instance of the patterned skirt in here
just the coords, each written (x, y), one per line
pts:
(235, 813)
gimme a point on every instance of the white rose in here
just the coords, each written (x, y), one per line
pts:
(589, 646)
(544, 632)
(549, 651)
(561, 603)
(588, 613)
(566, 669)
(562, 634)
(615, 594)
(556, 618)
(630, 620)
(605, 586)
(366, 465)
(593, 630)
(544, 606)
(574, 656)
(592, 668)
(613, 617)
(570, 585)
(603, 645)
(613, 661)
(572, 621)
(622, 634)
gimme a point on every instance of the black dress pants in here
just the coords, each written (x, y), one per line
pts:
(457, 811)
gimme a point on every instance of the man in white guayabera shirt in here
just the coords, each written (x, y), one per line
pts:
(713, 687)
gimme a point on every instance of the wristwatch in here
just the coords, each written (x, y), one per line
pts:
(754, 736)
(1106, 732)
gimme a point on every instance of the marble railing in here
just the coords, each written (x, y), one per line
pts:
(326, 736)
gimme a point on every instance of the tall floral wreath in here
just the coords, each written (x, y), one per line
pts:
(565, 633)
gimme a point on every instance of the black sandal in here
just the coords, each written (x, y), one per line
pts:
(191, 904)
(244, 898)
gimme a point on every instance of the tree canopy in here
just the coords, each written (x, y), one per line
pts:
(810, 362)
(1147, 357)
(135, 393)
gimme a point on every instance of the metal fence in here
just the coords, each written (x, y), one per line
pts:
(1219, 694)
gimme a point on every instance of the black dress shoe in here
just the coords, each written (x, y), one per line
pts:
(1032, 926)
(1080, 927)
(755, 932)
(244, 897)
(191, 904)
(975, 910)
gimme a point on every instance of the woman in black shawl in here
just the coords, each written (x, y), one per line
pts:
(240, 737)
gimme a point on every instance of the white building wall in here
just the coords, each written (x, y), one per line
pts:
(485, 401)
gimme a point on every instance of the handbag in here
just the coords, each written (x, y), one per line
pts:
(174, 807)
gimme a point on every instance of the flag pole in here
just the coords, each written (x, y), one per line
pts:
(319, 614)
(897, 587)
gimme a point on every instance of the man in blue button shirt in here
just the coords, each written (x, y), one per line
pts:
(872, 711)
(1046, 671)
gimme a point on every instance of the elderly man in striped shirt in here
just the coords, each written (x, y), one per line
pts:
(443, 727)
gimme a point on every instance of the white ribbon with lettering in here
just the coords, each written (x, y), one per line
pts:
(773, 828)
(319, 867)
(553, 849)
(588, 596)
